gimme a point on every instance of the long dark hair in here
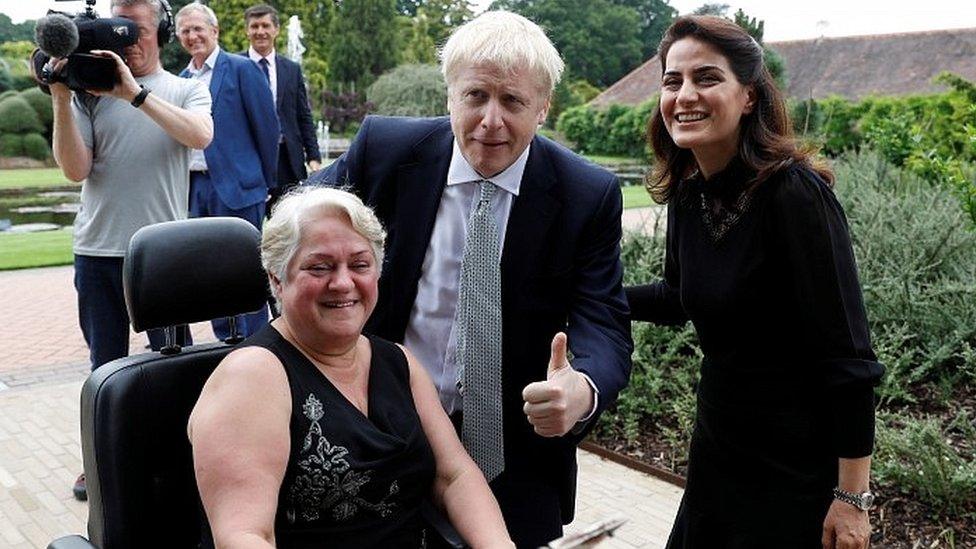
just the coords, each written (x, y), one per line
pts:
(766, 142)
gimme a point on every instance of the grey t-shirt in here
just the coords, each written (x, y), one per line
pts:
(140, 175)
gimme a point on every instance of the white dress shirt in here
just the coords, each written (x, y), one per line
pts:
(272, 69)
(430, 331)
(198, 162)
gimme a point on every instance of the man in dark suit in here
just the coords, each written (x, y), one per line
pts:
(495, 231)
(235, 173)
(298, 143)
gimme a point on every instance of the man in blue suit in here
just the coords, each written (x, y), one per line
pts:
(546, 227)
(298, 140)
(234, 175)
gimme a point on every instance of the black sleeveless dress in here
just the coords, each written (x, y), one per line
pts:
(352, 480)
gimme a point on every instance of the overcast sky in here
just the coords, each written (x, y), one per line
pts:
(785, 19)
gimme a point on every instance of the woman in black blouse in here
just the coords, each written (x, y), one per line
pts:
(759, 259)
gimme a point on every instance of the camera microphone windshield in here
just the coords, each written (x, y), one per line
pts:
(56, 35)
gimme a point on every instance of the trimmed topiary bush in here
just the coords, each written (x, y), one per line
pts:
(41, 103)
(11, 144)
(409, 90)
(35, 146)
(17, 116)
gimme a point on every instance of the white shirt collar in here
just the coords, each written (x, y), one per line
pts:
(255, 56)
(208, 63)
(510, 179)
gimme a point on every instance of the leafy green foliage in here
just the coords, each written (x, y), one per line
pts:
(10, 31)
(363, 42)
(599, 40)
(17, 116)
(11, 144)
(914, 456)
(655, 16)
(934, 136)
(409, 90)
(617, 130)
(41, 103)
(918, 274)
(35, 146)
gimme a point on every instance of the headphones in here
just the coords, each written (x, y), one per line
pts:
(167, 29)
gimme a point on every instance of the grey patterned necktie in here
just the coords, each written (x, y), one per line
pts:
(479, 337)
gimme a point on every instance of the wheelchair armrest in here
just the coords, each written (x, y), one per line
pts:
(71, 542)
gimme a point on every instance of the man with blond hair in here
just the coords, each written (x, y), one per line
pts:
(501, 244)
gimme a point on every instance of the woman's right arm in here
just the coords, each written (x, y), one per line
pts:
(660, 302)
(240, 437)
(459, 487)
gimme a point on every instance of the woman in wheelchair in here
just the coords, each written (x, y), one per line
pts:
(313, 434)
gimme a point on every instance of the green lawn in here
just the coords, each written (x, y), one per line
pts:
(31, 179)
(613, 160)
(635, 196)
(43, 249)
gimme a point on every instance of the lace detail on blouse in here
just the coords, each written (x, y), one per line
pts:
(719, 218)
(325, 482)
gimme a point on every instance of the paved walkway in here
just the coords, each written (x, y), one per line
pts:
(43, 362)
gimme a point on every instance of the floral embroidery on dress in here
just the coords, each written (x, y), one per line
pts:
(325, 482)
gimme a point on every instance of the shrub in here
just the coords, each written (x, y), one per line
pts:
(617, 130)
(341, 110)
(17, 116)
(409, 90)
(9, 93)
(41, 103)
(11, 144)
(35, 146)
(914, 457)
(661, 392)
(917, 271)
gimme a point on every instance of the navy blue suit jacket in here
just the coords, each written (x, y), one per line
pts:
(560, 268)
(294, 115)
(243, 157)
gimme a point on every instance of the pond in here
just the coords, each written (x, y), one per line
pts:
(42, 209)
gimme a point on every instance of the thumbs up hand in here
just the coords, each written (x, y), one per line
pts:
(555, 405)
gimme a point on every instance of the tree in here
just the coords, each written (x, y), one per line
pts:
(598, 40)
(12, 32)
(418, 46)
(655, 18)
(774, 63)
(719, 10)
(443, 16)
(363, 42)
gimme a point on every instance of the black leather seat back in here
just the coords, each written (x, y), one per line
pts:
(138, 462)
(134, 411)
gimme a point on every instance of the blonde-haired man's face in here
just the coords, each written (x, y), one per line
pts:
(494, 115)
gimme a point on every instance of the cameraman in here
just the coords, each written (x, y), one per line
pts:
(131, 146)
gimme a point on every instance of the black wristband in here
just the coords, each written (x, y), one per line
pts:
(140, 97)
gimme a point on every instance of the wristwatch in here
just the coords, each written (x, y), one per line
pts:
(140, 97)
(863, 501)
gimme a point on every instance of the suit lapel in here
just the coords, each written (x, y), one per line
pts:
(219, 71)
(280, 77)
(419, 186)
(533, 211)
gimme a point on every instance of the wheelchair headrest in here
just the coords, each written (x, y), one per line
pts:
(180, 272)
